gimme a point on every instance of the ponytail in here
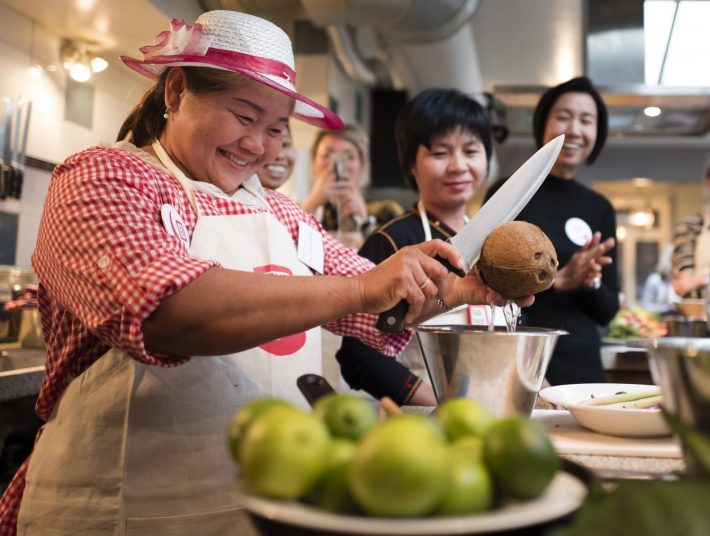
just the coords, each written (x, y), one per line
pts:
(145, 123)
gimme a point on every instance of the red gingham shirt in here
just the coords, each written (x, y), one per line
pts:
(105, 262)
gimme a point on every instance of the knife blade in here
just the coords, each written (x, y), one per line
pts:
(502, 207)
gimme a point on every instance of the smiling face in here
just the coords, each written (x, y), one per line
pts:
(224, 137)
(448, 174)
(575, 116)
(275, 173)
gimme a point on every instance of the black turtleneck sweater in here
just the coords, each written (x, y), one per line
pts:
(582, 312)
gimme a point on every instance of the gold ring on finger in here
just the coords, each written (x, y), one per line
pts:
(424, 284)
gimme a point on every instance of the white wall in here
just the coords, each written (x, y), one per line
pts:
(51, 137)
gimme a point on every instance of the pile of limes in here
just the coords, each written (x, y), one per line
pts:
(458, 461)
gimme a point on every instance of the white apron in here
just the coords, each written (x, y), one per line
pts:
(137, 449)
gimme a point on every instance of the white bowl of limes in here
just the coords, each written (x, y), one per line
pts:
(338, 470)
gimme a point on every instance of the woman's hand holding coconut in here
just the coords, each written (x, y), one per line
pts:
(422, 280)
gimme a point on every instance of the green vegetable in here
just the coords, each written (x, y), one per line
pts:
(626, 397)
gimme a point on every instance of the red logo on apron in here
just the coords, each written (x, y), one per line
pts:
(291, 343)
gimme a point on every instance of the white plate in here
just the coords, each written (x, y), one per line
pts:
(563, 496)
(625, 422)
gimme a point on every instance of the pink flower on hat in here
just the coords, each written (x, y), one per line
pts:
(180, 39)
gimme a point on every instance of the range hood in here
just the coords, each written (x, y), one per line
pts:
(683, 111)
(615, 58)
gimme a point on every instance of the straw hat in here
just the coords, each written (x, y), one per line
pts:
(236, 42)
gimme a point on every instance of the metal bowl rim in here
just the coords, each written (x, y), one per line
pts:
(673, 343)
(499, 330)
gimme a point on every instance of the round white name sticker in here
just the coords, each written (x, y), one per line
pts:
(173, 223)
(578, 231)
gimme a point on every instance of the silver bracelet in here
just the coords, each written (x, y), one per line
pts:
(443, 305)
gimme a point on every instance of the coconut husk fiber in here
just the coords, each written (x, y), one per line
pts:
(518, 259)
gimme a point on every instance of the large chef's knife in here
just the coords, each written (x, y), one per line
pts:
(502, 207)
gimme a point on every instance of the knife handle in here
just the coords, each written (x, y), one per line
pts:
(313, 387)
(392, 321)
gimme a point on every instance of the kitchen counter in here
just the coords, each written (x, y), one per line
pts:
(610, 456)
(21, 371)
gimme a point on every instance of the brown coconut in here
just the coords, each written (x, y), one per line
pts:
(518, 259)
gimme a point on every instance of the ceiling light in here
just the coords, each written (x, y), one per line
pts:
(652, 111)
(80, 62)
(80, 72)
(98, 64)
(643, 218)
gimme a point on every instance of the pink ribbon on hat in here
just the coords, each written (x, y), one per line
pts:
(187, 44)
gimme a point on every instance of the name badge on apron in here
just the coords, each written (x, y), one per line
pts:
(310, 247)
(173, 224)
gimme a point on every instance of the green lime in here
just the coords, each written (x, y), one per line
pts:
(346, 415)
(331, 491)
(461, 417)
(520, 456)
(469, 487)
(284, 453)
(244, 417)
(469, 447)
(400, 467)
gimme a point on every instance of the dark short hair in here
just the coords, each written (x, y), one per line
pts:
(581, 84)
(434, 112)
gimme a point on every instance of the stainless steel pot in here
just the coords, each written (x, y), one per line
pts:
(501, 370)
(681, 366)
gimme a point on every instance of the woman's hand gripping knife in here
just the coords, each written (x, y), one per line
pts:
(584, 268)
(413, 280)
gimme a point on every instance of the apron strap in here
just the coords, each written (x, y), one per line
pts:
(177, 173)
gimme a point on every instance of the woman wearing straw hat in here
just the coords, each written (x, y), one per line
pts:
(161, 307)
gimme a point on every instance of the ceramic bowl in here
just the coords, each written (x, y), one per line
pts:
(616, 421)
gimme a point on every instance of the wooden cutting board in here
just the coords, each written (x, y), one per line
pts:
(571, 438)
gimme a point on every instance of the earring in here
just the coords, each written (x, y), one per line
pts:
(165, 115)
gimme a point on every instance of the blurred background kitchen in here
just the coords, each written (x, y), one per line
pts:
(63, 89)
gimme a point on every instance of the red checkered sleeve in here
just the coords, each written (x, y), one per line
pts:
(105, 262)
(343, 261)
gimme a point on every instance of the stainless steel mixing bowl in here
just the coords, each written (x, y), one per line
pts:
(681, 366)
(500, 369)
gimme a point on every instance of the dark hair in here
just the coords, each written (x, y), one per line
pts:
(434, 112)
(146, 122)
(581, 84)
